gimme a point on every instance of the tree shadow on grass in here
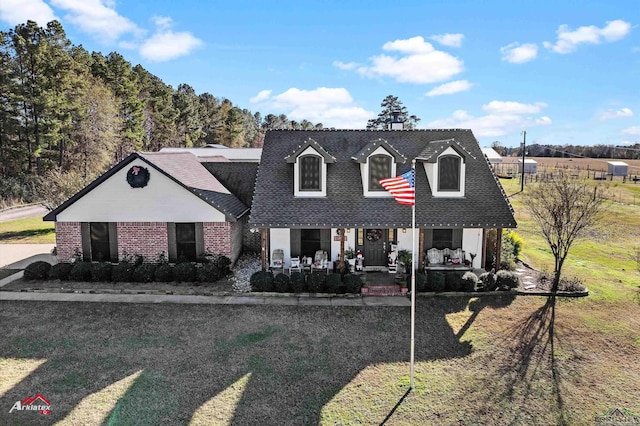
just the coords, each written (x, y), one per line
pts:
(26, 234)
(534, 354)
(294, 359)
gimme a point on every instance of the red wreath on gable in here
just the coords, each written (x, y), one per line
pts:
(374, 234)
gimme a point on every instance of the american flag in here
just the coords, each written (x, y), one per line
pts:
(402, 187)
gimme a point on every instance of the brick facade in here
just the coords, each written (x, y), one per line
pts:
(217, 237)
(147, 239)
(150, 239)
(68, 239)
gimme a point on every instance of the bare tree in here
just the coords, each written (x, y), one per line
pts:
(564, 209)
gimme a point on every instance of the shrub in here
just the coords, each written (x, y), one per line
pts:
(421, 283)
(81, 271)
(435, 281)
(334, 284)
(262, 281)
(514, 241)
(353, 283)
(37, 271)
(144, 273)
(282, 283)
(208, 273)
(184, 272)
(469, 281)
(101, 271)
(122, 272)
(508, 264)
(298, 282)
(164, 273)
(506, 280)
(453, 281)
(317, 282)
(60, 271)
(224, 265)
(573, 285)
(488, 280)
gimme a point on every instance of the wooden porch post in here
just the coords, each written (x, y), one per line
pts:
(264, 249)
(420, 248)
(483, 262)
(342, 237)
(498, 247)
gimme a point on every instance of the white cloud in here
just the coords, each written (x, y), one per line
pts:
(333, 107)
(450, 88)
(517, 53)
(345, 65)
(633, 130)
(162, 22)
(261, 96)
(420, 64)
(451, 40)
(16, 12)
(168, 45)
(98, 18)
(612, 113)
(568, 41)
(501, 118)
(508, 107)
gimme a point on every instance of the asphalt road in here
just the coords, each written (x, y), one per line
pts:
(22, 212)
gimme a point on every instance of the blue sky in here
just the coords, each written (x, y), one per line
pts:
(566, 72)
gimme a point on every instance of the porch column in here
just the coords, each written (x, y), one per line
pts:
(342, 236)
(264, 247)
(420, 248)
(498, 247)
(483, 263)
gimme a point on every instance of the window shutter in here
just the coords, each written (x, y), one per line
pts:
(428, 239)
(457, 238)
(172, 250)
(86, 241)
(199, 239)
(294, 242)
(325, 241)
(113, 241)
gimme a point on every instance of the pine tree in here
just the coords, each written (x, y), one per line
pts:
(390, 105)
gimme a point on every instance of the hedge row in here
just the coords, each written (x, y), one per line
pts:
(130, 272)
(298, 282)
(436, 281)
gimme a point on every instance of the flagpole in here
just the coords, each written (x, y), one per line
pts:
(413, 276)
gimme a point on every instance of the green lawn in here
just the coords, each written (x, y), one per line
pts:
(32, 230)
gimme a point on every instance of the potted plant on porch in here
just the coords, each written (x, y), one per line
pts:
(404, 257)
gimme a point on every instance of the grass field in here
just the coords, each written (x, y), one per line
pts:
(481, 360)
(32, 230)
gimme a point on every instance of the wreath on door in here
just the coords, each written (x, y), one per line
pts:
(374, 234)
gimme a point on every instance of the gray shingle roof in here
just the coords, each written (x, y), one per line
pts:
(328, 158)
(274, 205)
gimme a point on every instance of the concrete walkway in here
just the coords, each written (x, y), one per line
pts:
(240, 299)
(18, 256)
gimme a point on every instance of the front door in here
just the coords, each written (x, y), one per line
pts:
(375, 247)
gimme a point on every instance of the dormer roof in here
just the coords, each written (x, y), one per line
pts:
(434, 148)
(328, 158)
(362, 155)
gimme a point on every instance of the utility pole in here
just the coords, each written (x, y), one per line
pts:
(524, 148)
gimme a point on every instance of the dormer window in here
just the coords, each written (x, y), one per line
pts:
(310, 169)
(379, 168)
(449, 173)
(310, 173)
(445, 166)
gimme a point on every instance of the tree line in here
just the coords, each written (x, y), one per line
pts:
(63, 109)
(631, 152)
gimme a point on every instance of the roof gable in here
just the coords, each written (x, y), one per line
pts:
(362, 155)
(328, 158)
(433, 150)
(183, 169)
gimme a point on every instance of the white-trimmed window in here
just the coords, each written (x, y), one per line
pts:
(379, 168)
(449, 173)
(310, 174)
